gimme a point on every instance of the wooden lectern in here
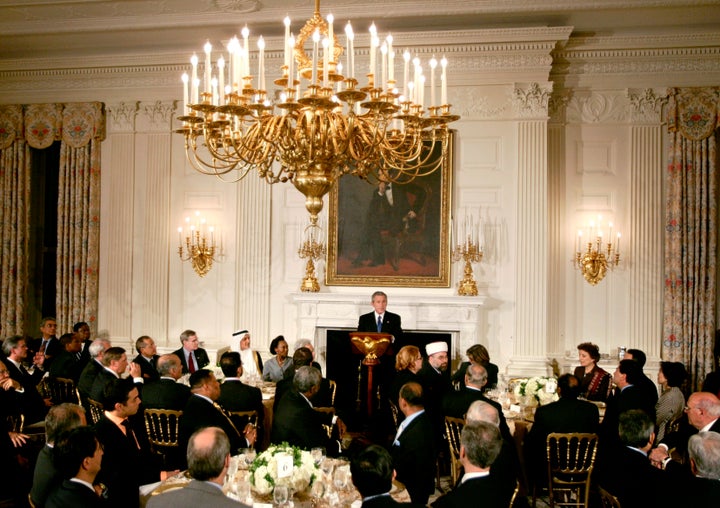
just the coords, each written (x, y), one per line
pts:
(373, 345)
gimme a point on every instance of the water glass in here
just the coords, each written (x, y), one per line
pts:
(243, 491)
(280, 494)
(318, 489)
(318, 455)
(340, 478)
(250, 455)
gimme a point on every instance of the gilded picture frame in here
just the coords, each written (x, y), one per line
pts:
(371, 248)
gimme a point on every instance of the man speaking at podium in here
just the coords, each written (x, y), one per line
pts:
(381, 321)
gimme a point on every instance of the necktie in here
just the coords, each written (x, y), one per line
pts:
(379, 324)
(191, 363)
(43, 346)
(130, 434)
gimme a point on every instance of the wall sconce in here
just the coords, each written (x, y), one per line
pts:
(469, 250)
(199, 244)
(311, 248)
(594, 261)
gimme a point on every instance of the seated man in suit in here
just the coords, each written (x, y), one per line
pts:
(301, 358)
(69, 363)
(191, 355)
(704, 488)
(115, 364)
(147, 358)
(295, 420)
(456, 403)
(480, 444)
(234, 394)
(47, 344)
(208, 458)
(505, 470)
(79, 456)
(128, 462)
(166, 392)
(307, 343)
(12, 479)
(625, 471)
(372, 474)
(413, 450)
(566, 415)
(202, 410)
(33, 406)
(96, 351)
(59, 421)
(644, 383)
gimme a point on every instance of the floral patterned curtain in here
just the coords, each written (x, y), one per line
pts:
(80, 128)
(691, 230)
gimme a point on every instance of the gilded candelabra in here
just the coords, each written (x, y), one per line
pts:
(470, 252)
(312, 248)
(595, 260)
(333, 127)
(199, 247)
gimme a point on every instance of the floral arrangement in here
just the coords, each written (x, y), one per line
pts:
(264, 469)
(536, 390)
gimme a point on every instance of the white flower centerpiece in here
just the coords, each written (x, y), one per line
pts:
(272, 467)
(536, 390)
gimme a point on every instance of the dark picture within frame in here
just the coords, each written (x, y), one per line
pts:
(407, 243)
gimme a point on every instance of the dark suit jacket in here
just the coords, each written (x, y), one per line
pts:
(456, 404)
(631, 397)
(67, 366)
(391, 324)
(195, 494)
(87, 377)
(165, 394)
(102, 379)
(53, 349)
(492, 375)
(475, 492)
(414, 459)
(628, 475)
(148, 370)
(200, 355)
(45, 478)
(237, 396)
(124, 466)
(31, 402)
(300, 425)
(387, 502)
(200, 413)
(648, 388)
(323, 398)
(402, 377)
(72, 495)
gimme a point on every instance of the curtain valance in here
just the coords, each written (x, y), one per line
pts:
(42, 124)
(694, 112)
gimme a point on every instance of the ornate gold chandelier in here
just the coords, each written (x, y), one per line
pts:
(330, 127)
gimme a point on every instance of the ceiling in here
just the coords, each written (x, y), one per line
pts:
(72, 29)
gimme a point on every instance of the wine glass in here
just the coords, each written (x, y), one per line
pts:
(250, 455)
(243, 490)
(326, 466)
(340, 478)
(318, 455)
(318, 489)
(280, 494)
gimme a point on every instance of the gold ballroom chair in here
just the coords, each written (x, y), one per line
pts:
(453, 428)
(571, 459)
(60, 390)
(607, 500)
(96, 410)
(333, 389)
(328, 410)
(162, 427)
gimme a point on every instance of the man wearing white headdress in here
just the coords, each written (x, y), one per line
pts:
(251, 359)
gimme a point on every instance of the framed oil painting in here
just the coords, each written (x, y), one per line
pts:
(396, 236)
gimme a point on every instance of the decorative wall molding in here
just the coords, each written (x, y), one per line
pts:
(646, 105)
(121, 116)
(532, 101)
(597, 107)
(160, 115)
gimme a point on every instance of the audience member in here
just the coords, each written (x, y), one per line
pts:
(82, 330)
(671, 403)
(79, 456)
(627, 396)
(480, 444)
(202, 410)
(456, 403)
(301, 358)
(644, 383)
(435, 380)
(704, 451)
(87, 377)
(32, 405)
(48, 344)
(115, 364)
(414, 450)
(60, 420)
(192, 356)
(566, 415)
(166, 392)
(251, 359)
(595, 382)
(408, 363)
(147, 358)
(275, 368)
(307, 343)
(625, 471)
(11, 486)
(372, 474)
(295, 420)
(478, 355)
(234, 394)
(128, 462)
(69, 363)
(208, 458)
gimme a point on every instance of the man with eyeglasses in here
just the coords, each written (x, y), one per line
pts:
(147, 358)
(703, 412)
(192, 356)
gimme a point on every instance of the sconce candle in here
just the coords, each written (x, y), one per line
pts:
(594, 260)
(198, 248)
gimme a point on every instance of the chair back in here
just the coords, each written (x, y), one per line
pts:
(326, 410)
(95, 409)
(571, 459)
(242, 418)
(395, 413)
(61, 390)
(162, 427)
(607, 500)
(453, 428)
(333, 390)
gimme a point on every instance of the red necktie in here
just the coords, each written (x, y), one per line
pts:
(191, 363)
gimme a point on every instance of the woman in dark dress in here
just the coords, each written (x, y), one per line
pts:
(595, 382)
(478, 355)
(408, 363)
